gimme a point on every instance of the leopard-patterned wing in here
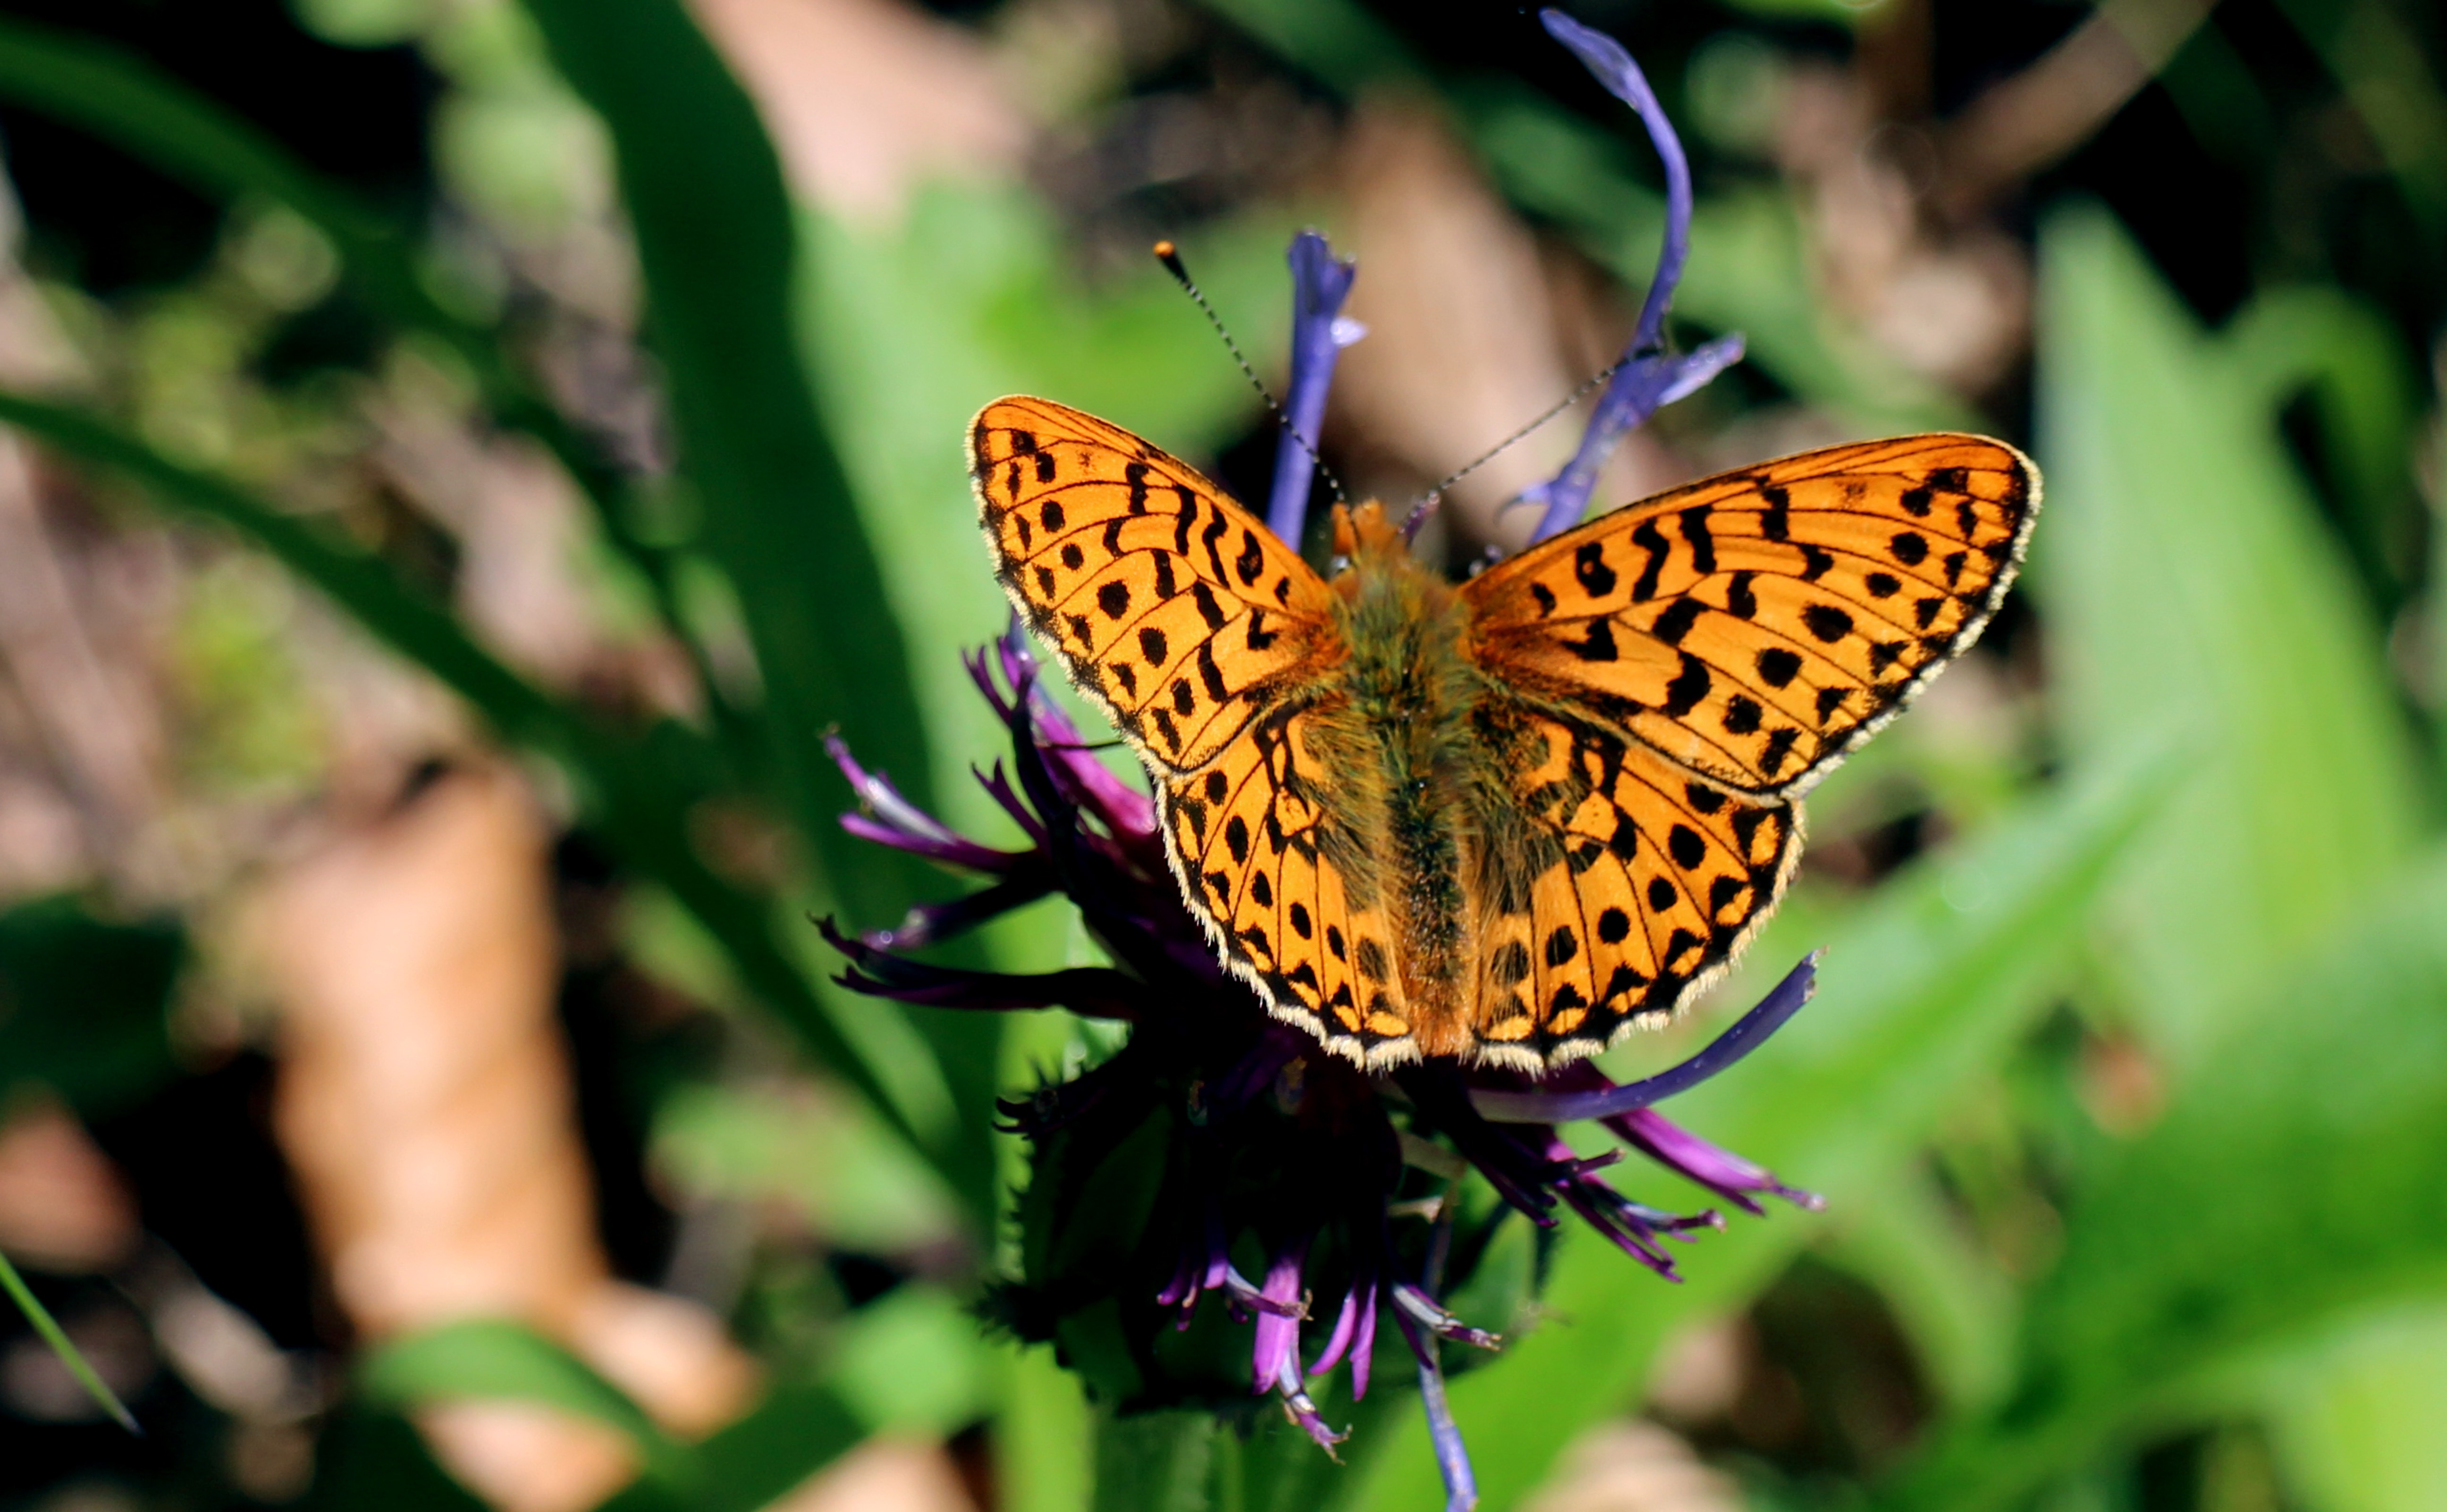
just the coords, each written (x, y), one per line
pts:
(1757, 626)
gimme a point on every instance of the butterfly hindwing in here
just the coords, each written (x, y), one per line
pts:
(1171, 605)
(1624, 890)
(1266, 852)
(1756, 627)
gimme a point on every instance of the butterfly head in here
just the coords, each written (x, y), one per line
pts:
(1363, 530)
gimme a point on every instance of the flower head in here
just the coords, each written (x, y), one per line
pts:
(1220, 1168)
(1221, 1209)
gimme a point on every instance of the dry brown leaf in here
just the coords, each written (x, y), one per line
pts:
(425, 1105)
(864, 98)
(61, 1205)
(1463, 347)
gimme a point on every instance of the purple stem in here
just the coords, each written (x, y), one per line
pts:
(1648, 378)
(1452, 1455)
(1747, 1034)
(1320, 282)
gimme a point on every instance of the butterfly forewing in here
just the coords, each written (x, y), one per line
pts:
(1200, 633)
(1757, 626)
(1170, 604)
(1640, 884)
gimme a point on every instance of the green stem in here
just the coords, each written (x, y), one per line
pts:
(57, 1338)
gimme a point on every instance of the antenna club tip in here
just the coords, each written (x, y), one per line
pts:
(1166, 250)
(1170, 256)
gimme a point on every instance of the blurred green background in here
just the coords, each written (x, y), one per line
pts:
(462, 455)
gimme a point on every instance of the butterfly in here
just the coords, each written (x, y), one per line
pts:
(1506, 820)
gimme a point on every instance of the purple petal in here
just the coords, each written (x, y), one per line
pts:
(1363, 1343)
(1719, 1170)
(930, 922)
(1088, 991)
(1647, 378)
(1749, 1032)
(1320, 282)
(1346, 1322)
(1416, 1305)
(1276, 1346)
(893, 820)
(1304, 1408)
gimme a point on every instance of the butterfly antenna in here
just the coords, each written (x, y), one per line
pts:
(1170, 256)
(1427, 501)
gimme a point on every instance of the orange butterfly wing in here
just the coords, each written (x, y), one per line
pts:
(1757, 626)
(1622, 890)
(1202, 638)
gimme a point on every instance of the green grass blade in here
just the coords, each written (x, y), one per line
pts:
(724, 272)
(755, 1462)
(123, 99)
(2191, 585)
(489, 1359)
(637, 806)
(1928, 987)
(715, 239)
(2300, 1178)
(57, 1338)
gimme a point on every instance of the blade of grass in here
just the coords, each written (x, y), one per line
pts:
(2190, 583)
(494, 1359)
(2299, 1179)
(724, 271)
(58, 1339)
(637, 806)
(758, 1461)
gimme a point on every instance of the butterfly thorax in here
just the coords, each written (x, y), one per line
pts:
(1406, 759)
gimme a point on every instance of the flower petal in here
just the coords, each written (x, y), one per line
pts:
(1647, 378)
(1749, 1032)
(1320, 282)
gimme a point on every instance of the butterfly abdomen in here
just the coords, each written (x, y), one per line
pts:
(1412, 694)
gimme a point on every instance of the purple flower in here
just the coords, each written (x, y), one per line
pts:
(1320, 282)
(1648, 378)
(1220, 1144)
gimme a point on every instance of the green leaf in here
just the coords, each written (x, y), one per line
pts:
(123, 99)
(85, 1003)
(2354, 1418)
(716, 243)
(1930, 986)
(2189, 586)
(637, 806)
(911, 1362)
(57, 1338)
(486, 1359)
(377, 1461)
(795, 1432)
(2299, 1177)
(724, 271)
(2353, 363)
(1042, 1435)
(1154, 1462)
